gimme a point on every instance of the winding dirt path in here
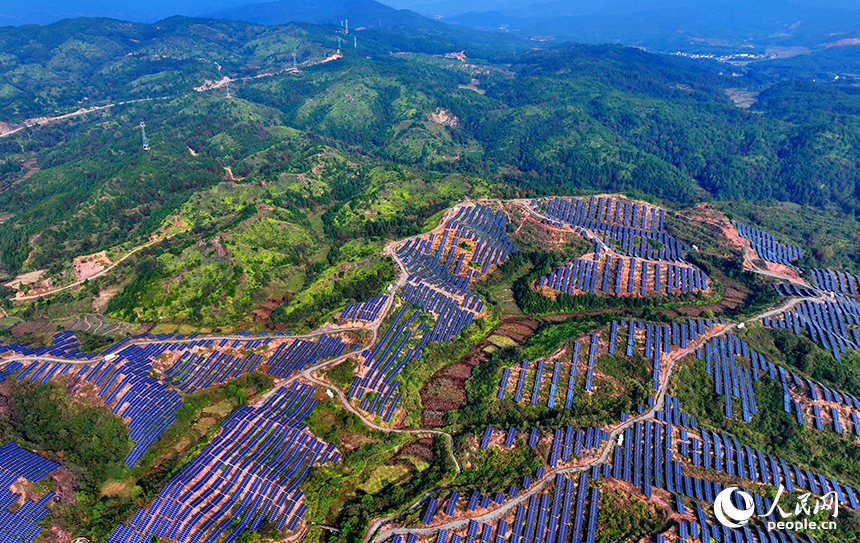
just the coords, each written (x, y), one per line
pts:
(95, 276)
(307, 374)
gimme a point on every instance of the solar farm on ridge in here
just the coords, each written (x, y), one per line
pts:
(590, 410)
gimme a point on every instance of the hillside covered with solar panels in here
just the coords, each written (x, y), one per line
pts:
(559, 369)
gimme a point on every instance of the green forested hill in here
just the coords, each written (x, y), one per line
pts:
(562, 120)
(271, 204)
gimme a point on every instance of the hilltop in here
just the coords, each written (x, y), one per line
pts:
(405, 286)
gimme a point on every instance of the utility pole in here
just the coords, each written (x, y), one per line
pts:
(143, 136)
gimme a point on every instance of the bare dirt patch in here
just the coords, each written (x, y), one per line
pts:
(88, 266)
(26, 279)
(446, 390)
(115, 488)
(100, 302)
(263, 311)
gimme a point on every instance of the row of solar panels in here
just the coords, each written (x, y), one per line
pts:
(766, 246)
(634, 215)
(826, 322)
(191, 372)
(687, 531)
(790, 289)
(366, 311)
(724, 453)
(385, 364)
(835, 281)
(549, 517)
(640, 442)
(303, 353)
(15, 462)
(730, 379)
(63, 345)
(581, 275)
(250, 471)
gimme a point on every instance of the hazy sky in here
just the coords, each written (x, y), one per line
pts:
(18, 12)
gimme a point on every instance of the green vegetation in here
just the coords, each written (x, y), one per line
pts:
(271, 209)
(341, 374)
(723, 272)
(497, 468)
(626, 386)
(378, 474)
(772, 429)
(800, 354)
(622, 517)
(355, 285)
(434, 357)
(91, 443)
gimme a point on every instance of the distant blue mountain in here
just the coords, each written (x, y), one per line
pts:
(367, 13)
(675, 24)
(19, 12)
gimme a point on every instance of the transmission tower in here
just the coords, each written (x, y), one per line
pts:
(228, 89)
(294, 61)
(143, 136)
(346, 25)
(338, 45)
(354, 42)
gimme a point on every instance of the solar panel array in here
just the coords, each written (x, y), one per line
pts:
(629, 228)
(720, 452)
(835, 281)
(604, 274)
(445, 263)
(550, 516)
(556, 380)
(568, 442)
(645, 459)
(730, 379)
(299, 354)
(451, 317)
(723, 453)
(22, 525)
(672, 414)
(565, 511)
(249, 473)
(385, 362)
(827, 322)
(790, 289)
(766, 246)
(63, 345)
(193, 371)
(553, 381)
(366, 311)
(147, 405)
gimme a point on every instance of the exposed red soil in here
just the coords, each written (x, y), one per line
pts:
(263, 311)
(446, 390)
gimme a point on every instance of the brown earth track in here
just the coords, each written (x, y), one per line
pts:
(446, 390)
(263, 311)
